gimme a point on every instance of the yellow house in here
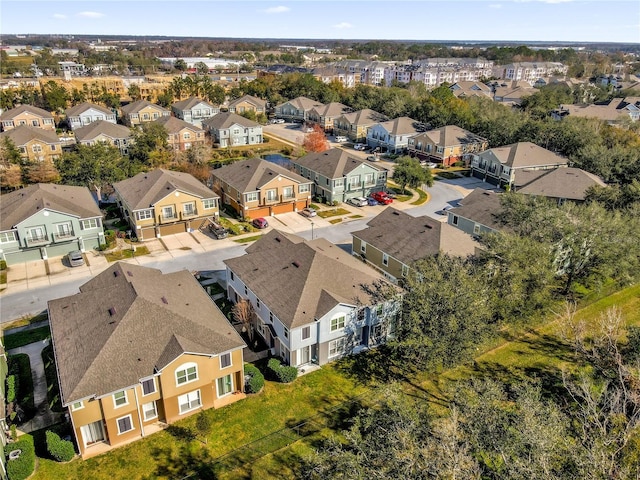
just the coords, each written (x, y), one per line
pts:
(181, 135)
(136, 350)
(356, 125)
(29, 116)
(162, 202)
(34, 144)
(256, 188)
(142, 111)
(446, 145)
(248, 103)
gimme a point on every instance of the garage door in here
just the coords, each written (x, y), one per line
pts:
(23, 256)
(172, 229)
(147, 233)
(288, 207)
(60, 250)
(257, 213)
(301, 205)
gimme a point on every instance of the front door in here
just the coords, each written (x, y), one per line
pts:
(92, 433)
(305, 355)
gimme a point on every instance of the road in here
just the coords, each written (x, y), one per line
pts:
(14, 305)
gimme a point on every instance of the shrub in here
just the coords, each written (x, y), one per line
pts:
(256, 379)
(280, 373)
(3, 265)
(23, 466)
(12, 388)
(61, 450)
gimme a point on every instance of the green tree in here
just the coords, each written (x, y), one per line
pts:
(56, 97)
(201, 68)
(180, 65)
(134, 92)
(409, 172)
(150, 147)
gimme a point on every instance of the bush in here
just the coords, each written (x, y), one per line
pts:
(61, 450)
(3, 265)
(23, 466)
(20, 366)
(280, 373)
(256, 379)
(12, 388)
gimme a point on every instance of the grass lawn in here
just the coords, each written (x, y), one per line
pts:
(333, 212)
(423, 197)
(3, 276)
(335, 220)
(248, 239)
(26, 320)
(126, 253)
(20, 339)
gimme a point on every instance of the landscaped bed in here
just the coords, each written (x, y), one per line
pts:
(332, 212)
(126, 253)
(25, 337)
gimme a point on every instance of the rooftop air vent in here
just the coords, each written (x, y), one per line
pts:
(296, 264)
(164, 300)
(116, 273)
(112, 311)
(129, 273)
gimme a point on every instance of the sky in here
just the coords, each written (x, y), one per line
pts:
(483, 20)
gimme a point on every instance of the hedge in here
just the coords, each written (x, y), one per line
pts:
(20, 366)
(12, 388)
(23, 466)
(61, 450)
(256, 379)
(280, 373)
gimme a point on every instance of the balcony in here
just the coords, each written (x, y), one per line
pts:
(36, 241)
(191, 214)
(168, 218)
(64, 236)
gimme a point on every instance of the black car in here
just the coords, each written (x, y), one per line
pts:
(218, 230)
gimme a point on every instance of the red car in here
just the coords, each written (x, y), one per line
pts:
(260, 223)
(382, 198)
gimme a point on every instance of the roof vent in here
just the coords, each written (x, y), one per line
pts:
(278, 239)
(396, 213)
(164, 300)
(116, 273)
(429, 227)
(112, 311)
(129, 273)
(485, 193)
(296, 264)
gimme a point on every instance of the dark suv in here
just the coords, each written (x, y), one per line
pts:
(218, 230)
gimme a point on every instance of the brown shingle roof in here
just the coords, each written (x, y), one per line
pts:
(332, 163)
(251, 174)
(305, 280)
(570, 183)
(226, 119)
(101, 127)
(450, 136)
(24, 134)
(407, 238)
(134, 107)
(258, 102)
(84, 106)
(302, 103)
(174, 125)
(190, 103)
(481, 206)
(147, 188)
(523, 154)
(21, 204)
(9, 114)
(129, 322)
(332, 109)
(365, 117)
(402, 126)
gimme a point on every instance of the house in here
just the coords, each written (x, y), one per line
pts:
(613, 112)
(181, 135)
(230, 130)
(29, 116)
(326, 114)
(394, 240)
(393, 135)
(194, 110)
(103, 131)
(137, 349)
(142, 111)
(248, 103)
(562, 184)
(479, 212)
(296, 109)
(512, 93)
(256, 188)
(45, 220)
(34, 144)
(515, 164)
(356, 125)
(85, 113)
(162, 202)
(337, 176)
(466, 89)
(313, 302)
(446, 145)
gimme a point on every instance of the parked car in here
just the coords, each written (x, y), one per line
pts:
(444, 210)
(260, 223)
(340, 139)
(307, 129)
(359, 146)
(429, 164)
(308, 212)
(75, 258)
(278, 120)
(382, 198)
(218, 230)
(372, 202)
(358, 201)
(373, 158)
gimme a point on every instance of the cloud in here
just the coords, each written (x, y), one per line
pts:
(90, 14)
(59, 16)
(280, 9)
(342, 25)
(495, 5)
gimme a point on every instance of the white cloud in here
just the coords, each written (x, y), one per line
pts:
(90, 14)
(495, 5)
(280, 9)
(59, 16)
(343, 25)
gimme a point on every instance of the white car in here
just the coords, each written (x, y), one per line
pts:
(340, 139)
(277, 120)
(358, 201)
(359, 146)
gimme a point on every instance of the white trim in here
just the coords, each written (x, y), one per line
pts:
(126, 399)
(182, 412)
(155, 388)
(73, 406)
(155, 410)
(217, 384)
(337, 317)
(120, 432)
(184, 367)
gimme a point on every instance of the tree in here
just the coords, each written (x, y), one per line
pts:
(134, 92)
(11, 177)
(180, 65)
(56, 97)
(9, 153)
(150, 147)
(243, 313)
(201, 68)
(409, 172)
(42, 172)
(315, 141)
(92, 166)
(203, 425)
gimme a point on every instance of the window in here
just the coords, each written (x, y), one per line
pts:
(209, 203)
(225, 360)
(167, 212)
(35, 123)
(363, 247)
(231, 275)
(354, 182)
(186, 373)
(271, 195)
(287, 192)
(144, 214)
(336, 347)
(405, 270)
(385, 259)
(63, 229)
(252, 197)
(454, 219)
(120, 399)
(369, 179)
(148, 386)
(189, 209)
(187, 136)
(286, 332)
(271, 317)
(306, 333)
(338, 182)
(124, 424)
(149, 411)
(77, 406)
(303, 188)
(36, 148)
(145, 116)
(189, 401)
(337, 323)
(89, 223)
(236, 131)
(476, 228)
(225, 385)
(246, 290)
(53, 148)
(6, 237)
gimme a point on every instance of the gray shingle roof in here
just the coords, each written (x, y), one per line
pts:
(9, 114)
(227, 119)
(173, 125)
(302, 103)
(332, 163)
(570, 183)
(332, 109)
(24, 133)
(524, 154)
(302, 281)
(129, 322)
(147, 188)
(258, 102)
(481, 206)
(251, 174)
(189, 103)
(407, 238)
(84, 106)
(403, 126)
(101, 127)
(21, 204)
(364, 117)
(134, 107)
(450, 136)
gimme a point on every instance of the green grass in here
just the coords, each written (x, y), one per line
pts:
(356, 216)
(333, 212)
(237, 228)
(20, 364)
(26, 320)
(127, 253)
(20, 339)
(422, 197)
(447, 175)
(248, 239)
(335, 220)
(53, 390)
(3, 276)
